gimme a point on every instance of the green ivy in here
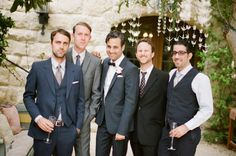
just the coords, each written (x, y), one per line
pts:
(5, 24)
(220, 72)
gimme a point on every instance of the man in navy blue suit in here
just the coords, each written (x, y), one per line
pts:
(119, 88)
(55, 88)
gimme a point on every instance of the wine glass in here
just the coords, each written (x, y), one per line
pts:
(53, 120)
(173, 126)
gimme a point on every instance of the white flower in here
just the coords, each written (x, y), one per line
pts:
(119, 70)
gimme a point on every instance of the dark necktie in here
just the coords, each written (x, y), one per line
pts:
(142, 84)
(77, 60)
(111, 64)
(58, 74)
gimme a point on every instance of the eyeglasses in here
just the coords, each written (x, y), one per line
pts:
(178, 52)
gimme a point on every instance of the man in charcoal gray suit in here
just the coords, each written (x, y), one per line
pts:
(91, 67)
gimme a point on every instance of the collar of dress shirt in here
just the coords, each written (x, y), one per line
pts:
(81, 54)
(185, 70)
(55, 64)
(119, 60)
(148, 70)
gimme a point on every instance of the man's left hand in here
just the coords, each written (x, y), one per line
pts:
(179, 131)
(119, 137)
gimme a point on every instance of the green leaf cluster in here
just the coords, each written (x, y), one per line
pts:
(220, 71)
(28, 4)
(5, 24)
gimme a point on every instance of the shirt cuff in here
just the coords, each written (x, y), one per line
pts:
(37, 118)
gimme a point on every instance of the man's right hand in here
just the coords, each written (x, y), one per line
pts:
(45, 124)
(96, 53)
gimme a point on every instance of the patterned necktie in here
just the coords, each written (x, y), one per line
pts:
(58, 74)
(142, 84)
(77, 60)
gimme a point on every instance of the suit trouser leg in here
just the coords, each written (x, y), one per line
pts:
(63, 139)
(135, 146)
(82, 146)
(41, 148)
(149, 150)
(66, 137)
(185, 146)
(103, 141)
(119, 147)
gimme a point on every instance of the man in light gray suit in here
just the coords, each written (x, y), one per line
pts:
(119, 88)
(91, 67)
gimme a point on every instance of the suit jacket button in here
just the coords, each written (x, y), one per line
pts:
(139, 108)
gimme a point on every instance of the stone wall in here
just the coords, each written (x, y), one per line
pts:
(26, 44)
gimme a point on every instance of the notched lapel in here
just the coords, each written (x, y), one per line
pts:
(104, 74)
(50, 76)
(69, 73)
(86, 62)
(122, 65)
(152, 79)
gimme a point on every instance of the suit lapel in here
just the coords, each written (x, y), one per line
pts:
(104, 73)
(69, 73)
(86, 62)
(69, 55)
(49, 74)
(122, 65)
(152, 79)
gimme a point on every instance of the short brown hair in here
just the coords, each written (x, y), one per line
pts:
(116, 34)
(147, 40)
(60, 31)
(83, 24)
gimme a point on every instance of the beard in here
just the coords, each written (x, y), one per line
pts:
(58, 55)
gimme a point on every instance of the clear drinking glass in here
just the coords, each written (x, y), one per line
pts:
(173, 126)
(53, 120)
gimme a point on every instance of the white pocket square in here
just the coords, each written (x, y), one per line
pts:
(119, 75)
(75, 82)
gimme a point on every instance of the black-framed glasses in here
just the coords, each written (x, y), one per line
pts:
(178, 52)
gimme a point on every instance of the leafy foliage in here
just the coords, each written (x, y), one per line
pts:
(127, 3)
(5, 24)
(220, 72)
(28, 4)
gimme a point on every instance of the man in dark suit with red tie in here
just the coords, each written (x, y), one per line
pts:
(55, 88)
(150, 114)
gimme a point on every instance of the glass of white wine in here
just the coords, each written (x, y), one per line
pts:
(53, 120)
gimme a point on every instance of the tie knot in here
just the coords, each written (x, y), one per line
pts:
(178, 74)
(111, 64)
(143, 73)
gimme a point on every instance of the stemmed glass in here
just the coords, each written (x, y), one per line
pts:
(53, 120)
(173, 126)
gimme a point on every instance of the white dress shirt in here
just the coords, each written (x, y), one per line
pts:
(55, 64)
(110, 74)
(75, 54)
(201, 86)
(148, 70)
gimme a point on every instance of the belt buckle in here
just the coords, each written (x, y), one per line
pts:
(59, 123)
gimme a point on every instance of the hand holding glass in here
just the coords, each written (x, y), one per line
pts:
(173, 126)
(53, 120)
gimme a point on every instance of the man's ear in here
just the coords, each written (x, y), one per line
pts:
(190, 55)
(123, 47)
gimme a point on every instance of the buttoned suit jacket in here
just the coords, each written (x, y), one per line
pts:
(91, 69)
(40, 95)
(118, 107)
(150, 114)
